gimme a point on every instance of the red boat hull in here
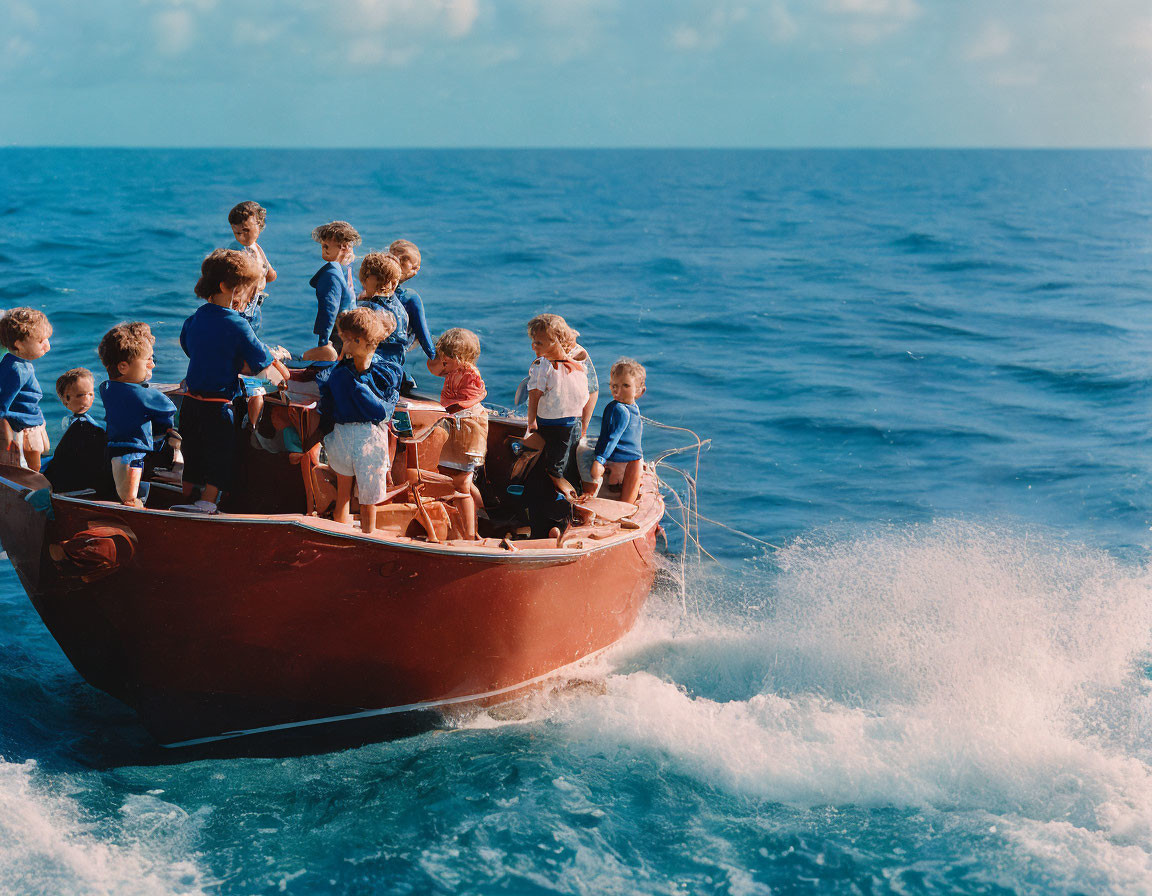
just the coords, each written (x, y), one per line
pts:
(215, 627)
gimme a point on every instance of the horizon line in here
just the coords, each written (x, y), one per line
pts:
(560, 148)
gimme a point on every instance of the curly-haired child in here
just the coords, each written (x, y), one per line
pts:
(334, 290)
(25, 333)
(456, 354)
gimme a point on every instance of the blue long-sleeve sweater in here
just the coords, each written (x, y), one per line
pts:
(136, 417)
(20, 393)
(620, 431)
(395, 347)
(333, 295)
(352, 396)
(417, 324)
(218, 343)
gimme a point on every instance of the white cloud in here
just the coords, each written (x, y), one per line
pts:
(685, 38)
(174, 31)
(455, 17)
(993, 42)
(867, 21)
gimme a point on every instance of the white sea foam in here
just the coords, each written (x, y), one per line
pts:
(49, 846)
(951, 667)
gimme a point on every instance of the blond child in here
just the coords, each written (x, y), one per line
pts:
(333, 284)
(379, 277)
(557, 393)
(409, 257)
(356, 402)
(248, 220)
(25, 333)
(457, 351)
(132, 411)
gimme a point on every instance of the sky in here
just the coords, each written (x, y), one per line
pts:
(576, 73)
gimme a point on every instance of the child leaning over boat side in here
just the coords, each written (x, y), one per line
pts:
(379, 276)
(24, 332)
(356, 402)
(618, 451)
(409, 257)
(220, 345)
(132, 411)
(456, 354)
(334, 290)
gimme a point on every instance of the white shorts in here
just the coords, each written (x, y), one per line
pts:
(361, 450)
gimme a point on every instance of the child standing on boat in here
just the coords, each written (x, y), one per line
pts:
(456, 354)
(219, 344)
(618, 451)
(408, 255)
(334, 291)
(248, 220)
(80, 460)
(379, 276)
(132, 411)
(356, 402)
(24, 332)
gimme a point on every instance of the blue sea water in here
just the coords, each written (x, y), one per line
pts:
(925, 377)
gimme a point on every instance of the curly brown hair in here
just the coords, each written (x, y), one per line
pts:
(383, 266)
(125, 343)
(336, 232)
(18, 324)
(630, 366)
(248, 209)
(70, 378)
(369, 324)
(556, 327)
(459, 344)
(230, 267)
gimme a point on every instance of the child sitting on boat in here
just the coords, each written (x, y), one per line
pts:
(132, 411)
(80, 460)
(408, 255)
(219, 344)
(456, 354)
(356, 402)
(379, 277)
(618, 451)
(334, 290)
(24, 332)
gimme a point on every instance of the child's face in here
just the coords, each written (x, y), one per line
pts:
(247, 231)
(377, 286)
(330, 250)
(547, 346)
(359, 349)
(409, 267)
(138, 370)
(32, 347)
(79, 396)
(626, 388)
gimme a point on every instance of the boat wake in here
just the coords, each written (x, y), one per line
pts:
(990, 677)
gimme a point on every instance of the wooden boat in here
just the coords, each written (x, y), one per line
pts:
(270, 617)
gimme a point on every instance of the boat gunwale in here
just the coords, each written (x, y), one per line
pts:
(304, 522)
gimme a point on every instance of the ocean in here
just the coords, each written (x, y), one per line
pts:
(916, 656)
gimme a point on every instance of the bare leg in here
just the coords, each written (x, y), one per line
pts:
(255, 406)
(462, 482)
(127, 481)
(367, 518)
(341, 513)
(630, 488)
(32, 458)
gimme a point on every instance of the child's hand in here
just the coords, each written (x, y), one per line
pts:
(277, 373)
(436, 366)
(280, 353)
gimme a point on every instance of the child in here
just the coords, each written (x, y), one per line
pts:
(24, 332)
(456, 354)
(409, 257)
(334, 291)
(379, 275)
(356, 402)
(557, 392)
(79, 461)
(618, 448)
(132, 411)
(219, 344)
(247, 220)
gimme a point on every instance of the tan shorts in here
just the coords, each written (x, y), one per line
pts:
(467, 441)
(34, 438)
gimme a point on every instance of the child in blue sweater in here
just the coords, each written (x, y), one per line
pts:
(132, 411)
(408, 255)
(356, 402)
(334, 292)
(24, 332)
(618, 449)
(379, 275)
(220, 345)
